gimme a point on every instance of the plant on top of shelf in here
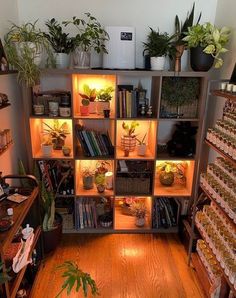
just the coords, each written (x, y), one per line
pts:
(90, 36)
(60, 41)
(57, 133)
(74, 276)
(24, 47)
(206, 41)
(168, 171)
(139, 210)
(158, 46)
(104, 96)
(128, 141)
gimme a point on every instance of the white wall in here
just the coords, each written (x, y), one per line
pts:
(138, 13)
(11, 116)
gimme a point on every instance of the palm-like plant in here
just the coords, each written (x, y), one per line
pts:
(3, 275)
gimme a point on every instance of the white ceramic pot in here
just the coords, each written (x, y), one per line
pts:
(81, 59)
(36, 51)
(62, 60)
(140, 222)
(142, 148)
(101, 106)
(158, 63)
(92, 107)
(46, 150)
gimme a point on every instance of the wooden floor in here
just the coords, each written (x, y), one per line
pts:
(123, 266)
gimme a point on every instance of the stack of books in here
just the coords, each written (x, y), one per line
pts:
(94, 143)
(127, 104)
(165, 213)
(85, 213)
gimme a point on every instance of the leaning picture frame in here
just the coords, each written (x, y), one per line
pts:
(233, 76)
(3, 58)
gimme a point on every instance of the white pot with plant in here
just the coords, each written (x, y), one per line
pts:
(158, 47)
(89, 94)
(88, 179)
(142, 147)
(104, 96)
(90, 36)
(206, 43)
(47, 147)
(128, 141)
(24, 45)
(139, 210)
(61, 43)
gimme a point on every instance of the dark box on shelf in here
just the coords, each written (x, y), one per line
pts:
(136, 179)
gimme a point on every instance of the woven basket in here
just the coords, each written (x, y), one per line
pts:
(128, 143)
(138, 186)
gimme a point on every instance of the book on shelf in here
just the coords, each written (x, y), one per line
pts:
(127, 103)
(94, 143)
(165, 213)
(85, 213)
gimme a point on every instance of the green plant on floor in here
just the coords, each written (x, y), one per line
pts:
(210, 38)
(105, 94)
(4, 277)
(24, 47)
(75, 278)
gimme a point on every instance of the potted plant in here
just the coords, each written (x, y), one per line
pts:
(88, 178)
(139, 210)
(24, 46)
(47, 147)
(104, 97)
(89, 94)
(57, 133)
(158, 46)
(206, 43)
(100, 180)
(142, 147)
(60, 41)
(168, 171)
(90, 37)
(180, 33)
(75, 278)
(128, 141)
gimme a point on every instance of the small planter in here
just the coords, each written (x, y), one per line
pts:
(199, 60)
(166, 178)
(66, 151)
(128, 144)
(46, 150)
(58, 144)
(142, 149)
(92, 107)
(140, 221)
(84, 110)
(38, 109)
(101, 106)
(62, 60)
(158, 63)
(81, 59)
(88, 182)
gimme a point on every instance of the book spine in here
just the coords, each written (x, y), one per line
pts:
(128, 104)
(88, 213)
(124, 104)
(94, 148)
(134, 105)
(81, 214)
(93, 135)
(88, 143)
(120, 104)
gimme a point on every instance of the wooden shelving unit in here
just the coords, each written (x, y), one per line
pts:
(192, 256)
(6, 238)
(73, 80)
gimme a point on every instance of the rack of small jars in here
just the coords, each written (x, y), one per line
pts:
(219, 234)
(209, 261)
(223, 135)
(5, 139)
(220, 182)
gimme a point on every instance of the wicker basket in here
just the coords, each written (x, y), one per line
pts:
(139, 186)
(128, 143)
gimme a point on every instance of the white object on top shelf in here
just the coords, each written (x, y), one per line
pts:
(120, 48)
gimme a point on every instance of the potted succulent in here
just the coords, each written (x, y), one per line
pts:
(206, 43)
(89, 94)
(158, 46)
(168, 171)
(180, 33)
(90, 37)
(104, 97)
(24, 46)
(47, 147)
(88, 178)
(139, 210)
(142, 147)
(60, 41)
(100, 180)
(57, 133)
(128, 141)
(75, 278)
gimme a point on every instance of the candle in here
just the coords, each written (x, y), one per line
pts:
(234, 89)
(229, 87)
(109, 180)
(223, 86)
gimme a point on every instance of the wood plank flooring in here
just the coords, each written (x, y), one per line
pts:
(123, 266)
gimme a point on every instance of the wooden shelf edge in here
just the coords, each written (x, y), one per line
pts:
(18, 279)
(217, 204)
(172, 230)
(221, 152)
(224, 94)
(6, 72)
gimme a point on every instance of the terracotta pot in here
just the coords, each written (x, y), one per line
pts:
(84, 110)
